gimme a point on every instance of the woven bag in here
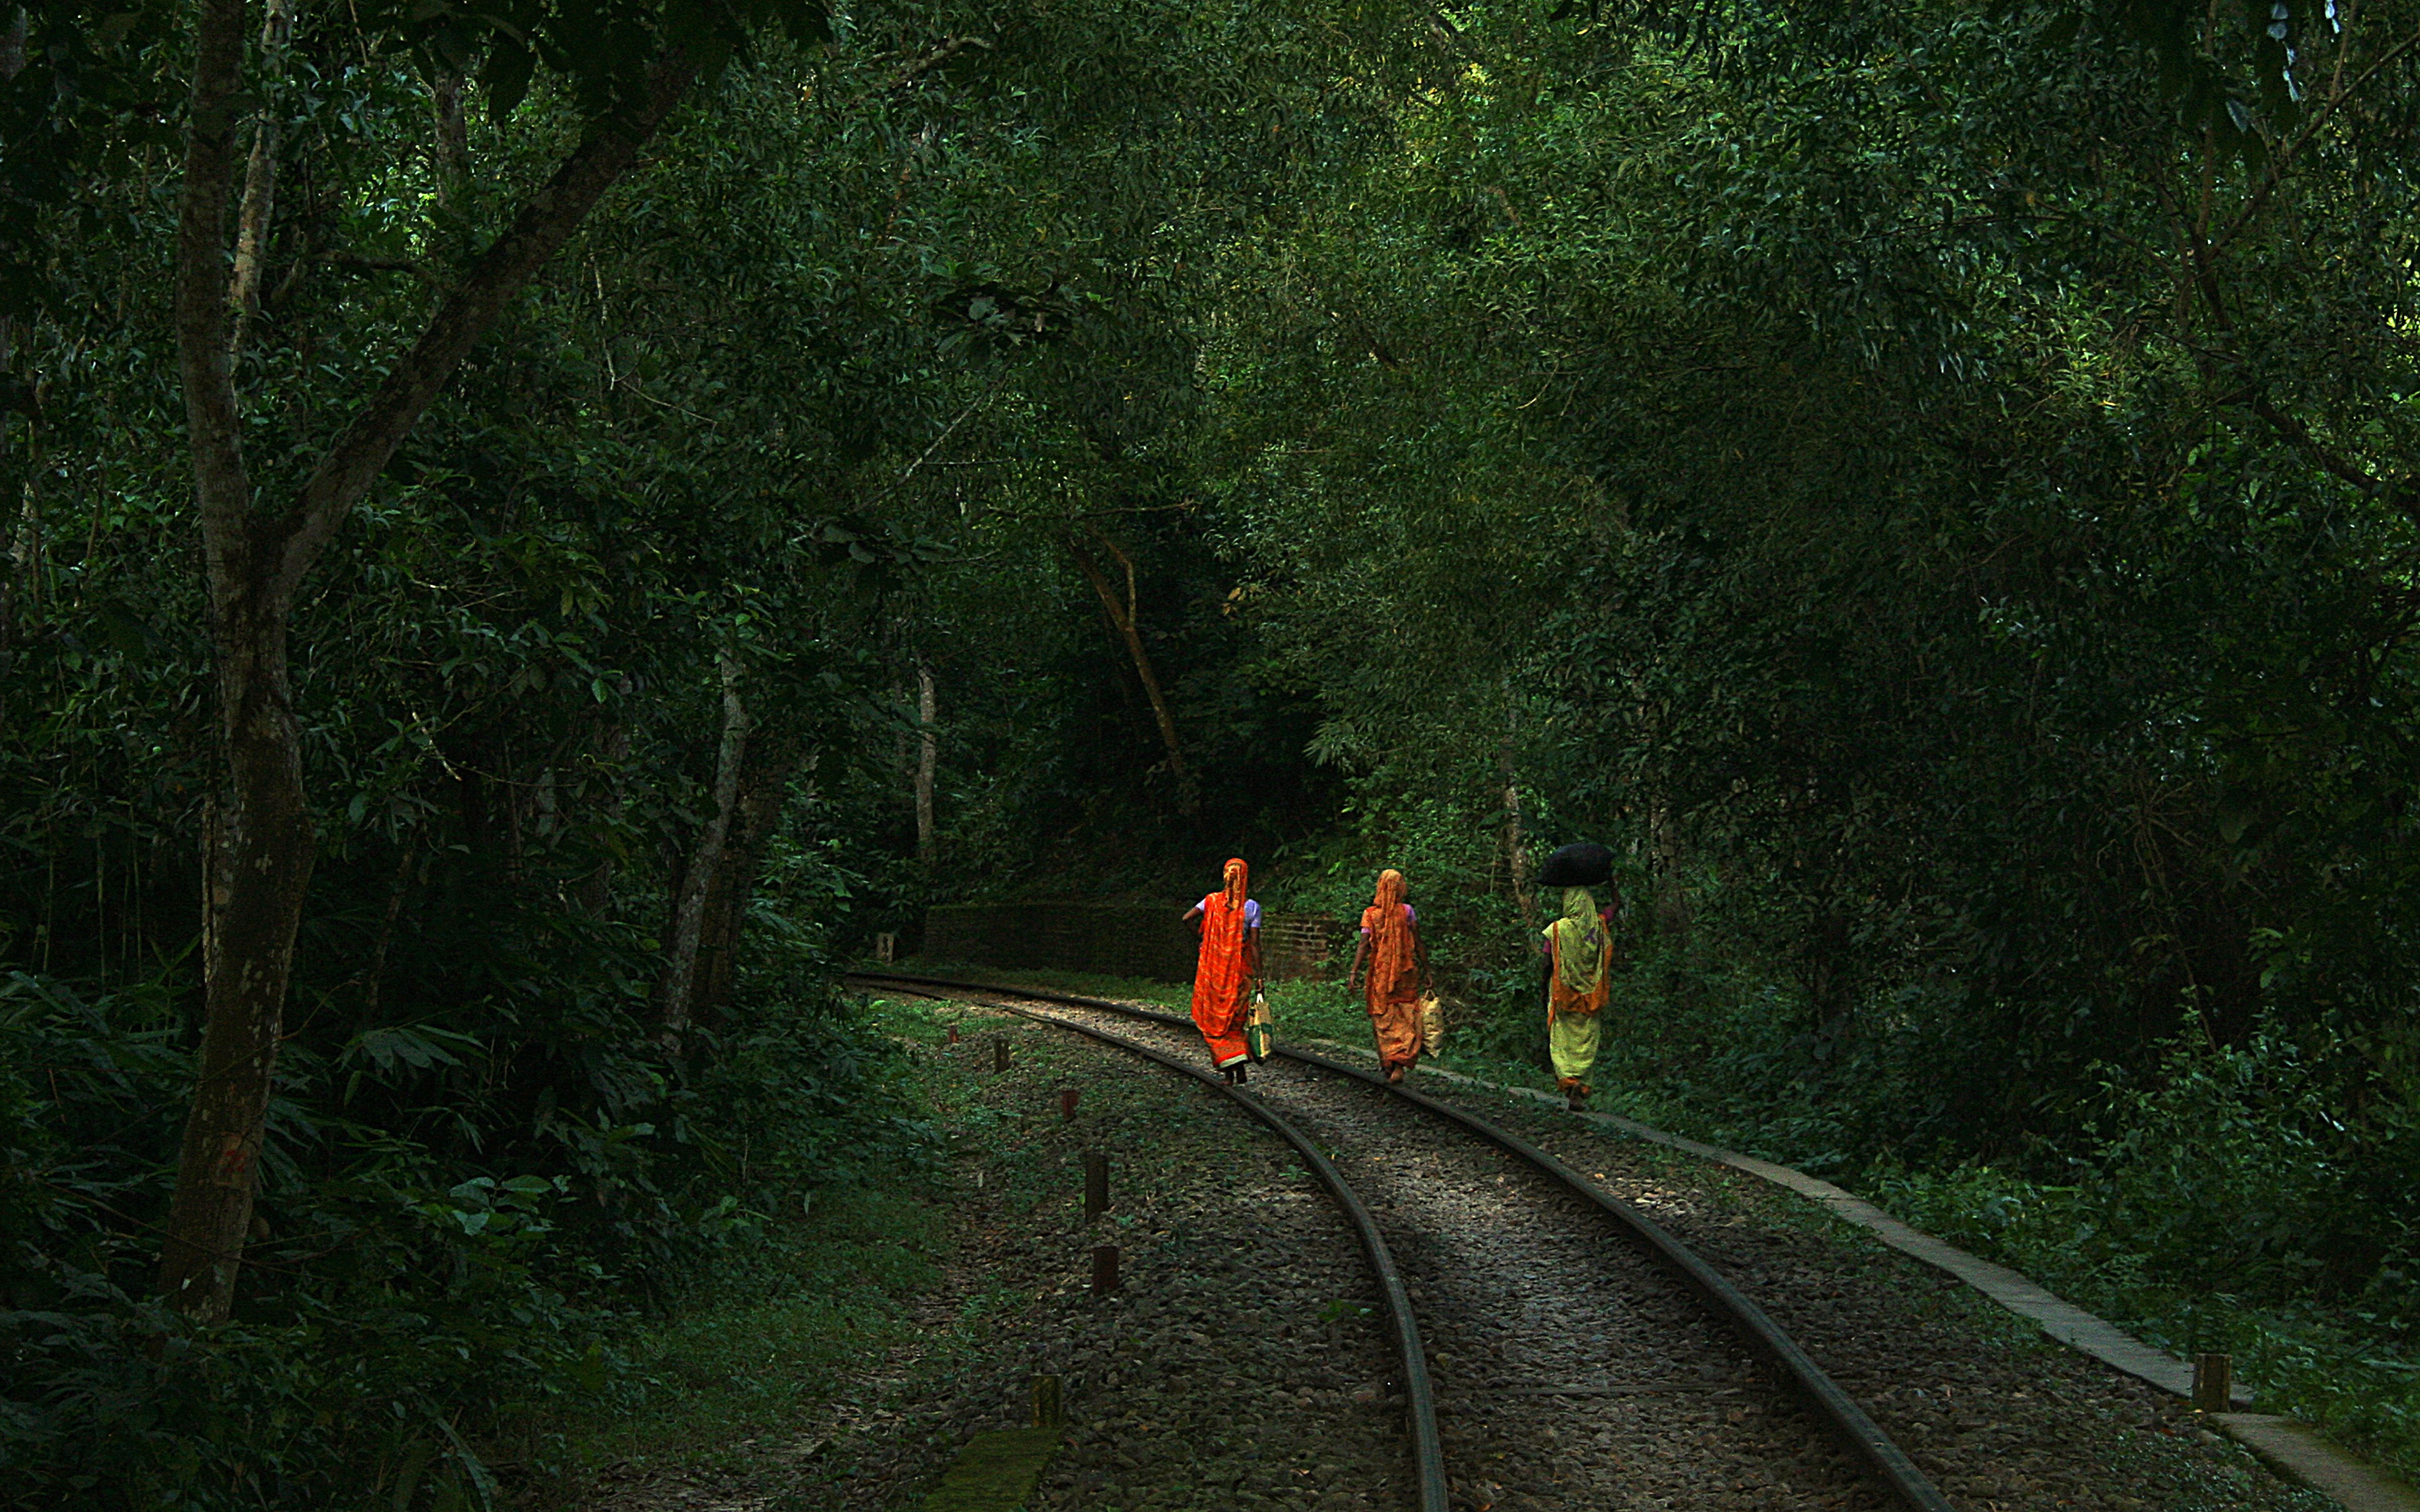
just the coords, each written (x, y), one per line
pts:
(1260, 1030)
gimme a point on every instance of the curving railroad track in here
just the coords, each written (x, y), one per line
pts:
(1577, 1354)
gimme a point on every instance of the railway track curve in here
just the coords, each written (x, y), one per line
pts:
(1880, 1461)
(1428, 1455)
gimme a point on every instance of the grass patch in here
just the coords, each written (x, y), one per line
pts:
(733, 1374)
(734, 1361)
(995, 1472)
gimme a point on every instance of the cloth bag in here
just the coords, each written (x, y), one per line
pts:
(1432, 1024)
(1260, 1030)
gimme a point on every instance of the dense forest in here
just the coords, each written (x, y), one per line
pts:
(530, 531)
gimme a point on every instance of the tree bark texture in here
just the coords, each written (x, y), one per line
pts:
(1672, 913)
(677, 995)
(764, 787)
(19, 579)
(727, 896)
(255, 562)
(928, 848)
(12, 45)
(452, 152)
(259, 186)
(1516, 847)
(256, 880)
(1123, 617)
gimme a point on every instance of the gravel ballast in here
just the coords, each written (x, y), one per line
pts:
(1242, 1362)
(2000, 1417)
(1571, 1371)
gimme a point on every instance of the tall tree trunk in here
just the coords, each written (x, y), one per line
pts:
(927, 755)
(12, 63)
(1122, 615)
(718, 936)
(676, 995)
(611, 747)
(20, 575)
(12, 45)
(255, 562)
(259, 184)
(1671, 889)
(452, 152)
(263, 858)
(764, 788)
(1516, 844)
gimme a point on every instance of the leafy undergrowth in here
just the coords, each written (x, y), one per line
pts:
(2346, 1366)
(725, 1380)
(419, 1302)
(727, 1372)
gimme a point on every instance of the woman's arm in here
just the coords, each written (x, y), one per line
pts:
(1360, 953)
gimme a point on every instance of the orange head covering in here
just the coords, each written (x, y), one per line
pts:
(1239, 876)
(1390, 934)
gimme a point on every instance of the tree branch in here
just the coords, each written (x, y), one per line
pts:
(1124, 620)
(955, 45)
(544, 224)
(2403, 496)
(960, 419)
(375, 265)
(2282, 160)
(222, 483)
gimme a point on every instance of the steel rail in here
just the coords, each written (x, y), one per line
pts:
(1883, 1458)
(1428, 1449)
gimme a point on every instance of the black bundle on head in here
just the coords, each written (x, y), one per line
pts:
(1582, 864)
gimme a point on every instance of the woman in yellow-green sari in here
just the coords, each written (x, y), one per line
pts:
(1580, 960)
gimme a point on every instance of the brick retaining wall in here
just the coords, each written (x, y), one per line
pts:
(1115, 940)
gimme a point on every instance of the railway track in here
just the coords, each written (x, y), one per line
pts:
(1563, 1361)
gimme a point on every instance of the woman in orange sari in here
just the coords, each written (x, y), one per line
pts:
(1228, 964)
(1390, 943)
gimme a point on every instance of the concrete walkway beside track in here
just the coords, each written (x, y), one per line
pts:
(2295, 1448)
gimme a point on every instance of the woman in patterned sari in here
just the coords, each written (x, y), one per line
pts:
(1579, 957)
(1390, 943)
(1225, 971)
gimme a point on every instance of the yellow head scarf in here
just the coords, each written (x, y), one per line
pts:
(1582, 948)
